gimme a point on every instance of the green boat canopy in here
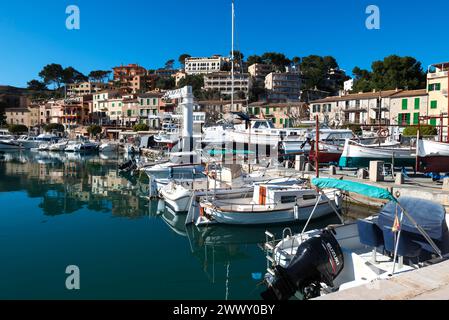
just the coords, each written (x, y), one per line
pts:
(356, 187)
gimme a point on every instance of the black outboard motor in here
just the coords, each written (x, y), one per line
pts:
(318, 260)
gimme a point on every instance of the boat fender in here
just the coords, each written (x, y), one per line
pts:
(296, 211)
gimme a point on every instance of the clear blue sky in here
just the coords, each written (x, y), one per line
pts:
(149, 32)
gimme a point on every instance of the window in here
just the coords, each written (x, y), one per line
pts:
(288, 199)
(433, 104)
(148, 102)
(267, 110)
(281, 121)
(274, 120)
(309, 197)
(416, 118)
(417, 103)
(154, 102)
(404, 104)
(404, 119)
(433, 122)
(435, 87)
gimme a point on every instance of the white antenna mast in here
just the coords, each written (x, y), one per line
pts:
(232, 56)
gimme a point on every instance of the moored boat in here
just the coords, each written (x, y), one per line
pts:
(406, 235)
(356, 155)
(269, 204)
(433, 156)
(10, 145)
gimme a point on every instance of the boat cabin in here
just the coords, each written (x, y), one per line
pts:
(278, 195)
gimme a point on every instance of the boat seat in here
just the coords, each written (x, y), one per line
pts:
(406, 248)
(369, 233)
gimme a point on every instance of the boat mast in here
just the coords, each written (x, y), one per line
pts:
(232, 55)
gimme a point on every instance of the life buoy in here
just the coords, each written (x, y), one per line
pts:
(383, 133)
(201, 211)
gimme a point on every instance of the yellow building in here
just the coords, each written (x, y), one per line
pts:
(437, 89)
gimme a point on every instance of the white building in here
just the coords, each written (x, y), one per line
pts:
(284, 86)
(222, 81)
(85, 88)
(205, 65)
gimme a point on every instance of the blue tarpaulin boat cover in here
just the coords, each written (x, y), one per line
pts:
(427, 214)
(350, 186)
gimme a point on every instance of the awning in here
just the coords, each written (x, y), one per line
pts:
(356, 187)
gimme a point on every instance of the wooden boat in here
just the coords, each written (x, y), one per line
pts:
(433, 156)
(269, 204)
(356, 155)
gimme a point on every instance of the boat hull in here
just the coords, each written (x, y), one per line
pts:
(10, 146)
(359, 156)
(271, 217)
(435, 164)
(433, 156)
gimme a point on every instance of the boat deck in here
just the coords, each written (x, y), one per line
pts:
(430, 283)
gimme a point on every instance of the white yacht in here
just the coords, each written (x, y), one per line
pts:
(29, 142)
(263, 132)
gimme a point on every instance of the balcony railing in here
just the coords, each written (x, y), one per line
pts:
(437, 74)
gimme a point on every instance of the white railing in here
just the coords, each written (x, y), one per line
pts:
(437, 74)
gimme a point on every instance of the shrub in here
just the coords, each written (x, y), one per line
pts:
(141, 127)
(54, 127)
(424, 131)
(357, 129)
(94, 130)
(17, 128)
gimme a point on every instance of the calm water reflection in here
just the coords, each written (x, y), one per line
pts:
(58, 210)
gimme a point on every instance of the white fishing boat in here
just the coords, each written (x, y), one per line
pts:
(108, 147)
(407, 234)
(269, 204)
(356, 155)
(71, 146)
(433, 156)
(58, 147)
(83, 146)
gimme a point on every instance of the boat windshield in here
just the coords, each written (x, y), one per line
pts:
(263, 125)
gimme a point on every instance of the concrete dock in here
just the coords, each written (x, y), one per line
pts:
(430, 283)
(417, 186)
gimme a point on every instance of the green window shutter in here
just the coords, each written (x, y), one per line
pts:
(404, 104)
(417, 103)
(267, 110)
(407, 118)
(257, 110)
(274, 120)
(281, 121)
(433, 104)
(433, 122)
(416, 118)
(437, 86)
(430, 87)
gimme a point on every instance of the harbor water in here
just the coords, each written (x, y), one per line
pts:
(59, 210)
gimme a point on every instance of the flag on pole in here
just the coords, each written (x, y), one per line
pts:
(396, 223)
